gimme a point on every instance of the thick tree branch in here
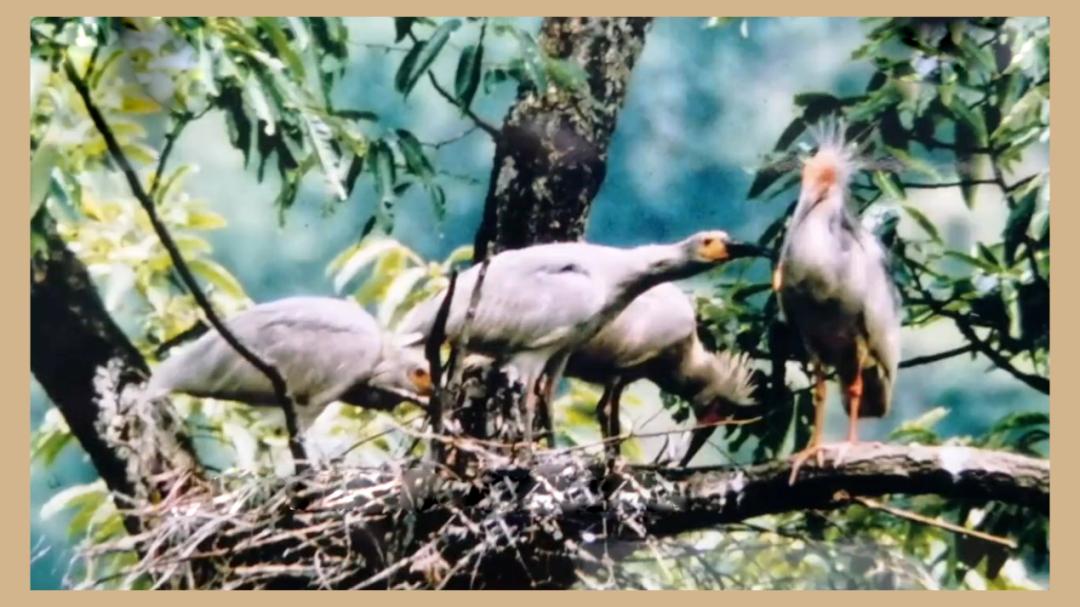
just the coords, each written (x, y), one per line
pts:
(527, 527)
(723, 495)
(147, 202)
(74, 346)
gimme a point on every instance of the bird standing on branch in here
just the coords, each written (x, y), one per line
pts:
(538, 304)
(655, 338)
(835, 288)
(326, 349)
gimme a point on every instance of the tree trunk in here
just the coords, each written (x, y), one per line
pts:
(551, 154)
(87, 366)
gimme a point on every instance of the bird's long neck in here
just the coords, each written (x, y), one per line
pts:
(656, 264)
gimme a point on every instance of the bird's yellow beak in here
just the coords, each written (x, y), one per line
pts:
(422, 380)
(713, 248)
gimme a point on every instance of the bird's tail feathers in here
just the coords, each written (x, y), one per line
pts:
(876, 395)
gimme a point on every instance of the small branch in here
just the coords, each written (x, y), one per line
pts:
(118, 156)
(431, 351)
(962, 323)
(722, 495)
(484, 125)
(925, 520)
(948, 184)
(445, 142)
(932, 358)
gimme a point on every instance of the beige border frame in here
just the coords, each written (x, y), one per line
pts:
(14, 247)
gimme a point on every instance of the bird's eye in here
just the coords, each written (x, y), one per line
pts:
(419, 373)
(708, 242)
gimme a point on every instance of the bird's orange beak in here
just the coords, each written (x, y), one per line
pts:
(422, 380)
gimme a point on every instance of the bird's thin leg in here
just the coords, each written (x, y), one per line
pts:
(854, 401)
(546, 389)
(602, 411)
(614, 429)
(815, 448)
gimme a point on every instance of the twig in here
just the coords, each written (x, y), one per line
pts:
(445, 142)
(931, 358)
(118, 156)
(182, 121)
(918, 518)
(431, 351)
(486, 126)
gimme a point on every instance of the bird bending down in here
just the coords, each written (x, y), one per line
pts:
(537, 304)
(834, 287)
(326, 350)
(655, 338)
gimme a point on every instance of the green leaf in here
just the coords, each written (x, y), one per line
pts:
(320, 137)
(45, 158)
(402, 27)
(790, 134)
(768, 175)
(357, 115)
(531, 63)
(423, 58)
(355, 168)
(408, 63)
(285, 48)
(360, 257)
(567, 75)
(415, 160)
(217, 275)
(396, 292)
(889, 185)
(382, 169)
(467, 78)
(924, 222)
(438, 199)
(1016, 226)
(912, 163)
(973, 261)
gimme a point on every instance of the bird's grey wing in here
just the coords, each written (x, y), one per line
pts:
(524, 304)
(655, 321)
(530, 306)
(321, 346)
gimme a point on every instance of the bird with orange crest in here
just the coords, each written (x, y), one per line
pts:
(835, 289)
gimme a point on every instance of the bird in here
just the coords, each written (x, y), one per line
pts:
(538, 303)
(655, 338)
(326, 349)
(835, 289)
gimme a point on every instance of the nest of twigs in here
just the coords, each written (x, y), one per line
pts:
(409, 527)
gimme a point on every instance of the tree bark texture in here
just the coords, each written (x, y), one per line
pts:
(551, 153)
(79, 355)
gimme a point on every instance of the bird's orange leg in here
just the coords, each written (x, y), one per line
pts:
(815, 448)
(777, 281)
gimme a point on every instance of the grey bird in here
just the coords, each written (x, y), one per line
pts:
(539, 303)
(655, 338)
(326, 349)
(835, 289)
